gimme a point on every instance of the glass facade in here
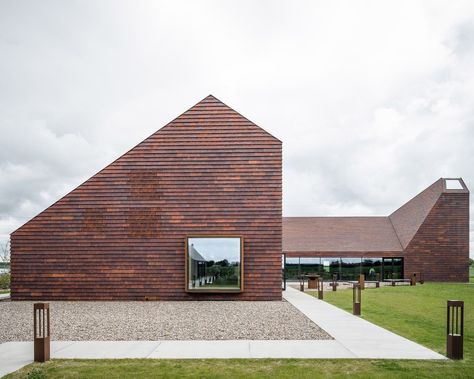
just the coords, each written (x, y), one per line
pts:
(345, 268)
(310, 265)
(371, 267)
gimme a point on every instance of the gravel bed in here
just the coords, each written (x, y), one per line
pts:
(170, 320)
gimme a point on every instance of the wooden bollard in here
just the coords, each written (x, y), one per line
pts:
(356, 299)
(362, 281)
(41, 332)
(455, 329)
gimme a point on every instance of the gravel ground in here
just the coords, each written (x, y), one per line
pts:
(171, 320)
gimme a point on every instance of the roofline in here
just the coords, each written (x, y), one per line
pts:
(271, 135)
(128, 151)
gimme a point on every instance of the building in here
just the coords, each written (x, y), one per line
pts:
(195, 212)
(124, 233)
(427, 235)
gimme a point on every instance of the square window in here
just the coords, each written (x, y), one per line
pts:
(214, 264)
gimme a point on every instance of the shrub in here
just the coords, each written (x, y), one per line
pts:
(4, 281)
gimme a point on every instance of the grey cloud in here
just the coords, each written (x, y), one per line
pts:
(372, 105)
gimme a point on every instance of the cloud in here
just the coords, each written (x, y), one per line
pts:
(373, 100)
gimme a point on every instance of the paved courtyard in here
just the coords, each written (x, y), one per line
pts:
(160, 320)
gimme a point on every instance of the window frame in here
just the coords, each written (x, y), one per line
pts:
(186, 264)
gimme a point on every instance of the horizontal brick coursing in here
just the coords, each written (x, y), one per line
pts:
(121, 234)
(440, 247)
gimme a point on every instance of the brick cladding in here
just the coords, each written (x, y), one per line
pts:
(121, 234)
(440, 248)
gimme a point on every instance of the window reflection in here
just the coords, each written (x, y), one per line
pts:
(214, 264)
(345, 268)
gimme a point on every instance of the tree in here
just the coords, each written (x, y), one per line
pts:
(5, 252)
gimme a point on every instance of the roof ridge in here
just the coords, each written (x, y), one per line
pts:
(395, 231)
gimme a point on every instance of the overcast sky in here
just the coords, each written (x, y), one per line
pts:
(373, 100)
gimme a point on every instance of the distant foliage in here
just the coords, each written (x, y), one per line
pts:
(4, 281)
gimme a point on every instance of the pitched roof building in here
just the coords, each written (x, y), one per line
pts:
(429, 234)
(212, 178)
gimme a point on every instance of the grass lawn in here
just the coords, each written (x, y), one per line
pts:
(4, 291)
(415, 312)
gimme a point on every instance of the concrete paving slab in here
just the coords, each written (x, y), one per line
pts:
(299, 349)
(362, 338)
(202, 349)
(107, 349)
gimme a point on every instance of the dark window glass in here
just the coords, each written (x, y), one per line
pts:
(292, 268)
(331, 266)
(310, 265)
(393, 268)
(371, 267)
(350, 268)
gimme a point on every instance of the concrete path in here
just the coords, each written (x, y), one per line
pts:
(4, 296)
(360, 337)
(353, 338)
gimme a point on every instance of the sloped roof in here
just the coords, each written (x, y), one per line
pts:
(326, 234)
(364, 234)
(408, 218)
(194, 254)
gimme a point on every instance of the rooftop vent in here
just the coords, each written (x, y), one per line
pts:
(453, 184)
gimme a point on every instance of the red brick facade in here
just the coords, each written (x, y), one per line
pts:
(440, 247)
(121, 235)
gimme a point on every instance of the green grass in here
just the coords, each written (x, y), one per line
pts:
(4, 291)
(418, 313)
(415, 312)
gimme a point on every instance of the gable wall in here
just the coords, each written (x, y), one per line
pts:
(440, 248)
(121, 235)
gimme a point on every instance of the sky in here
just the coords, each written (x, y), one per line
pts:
(217, 249)
(372, 99)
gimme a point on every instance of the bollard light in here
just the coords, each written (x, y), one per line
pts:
(41, 332)
(413, 279)
(377, 280)
(356, 299)
(302, 283)
(455, 329)
(320, 287)
(362, 281)
(334, 282)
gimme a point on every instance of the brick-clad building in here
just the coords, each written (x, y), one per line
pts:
(123, 233)
(428, 235)
(195, 212)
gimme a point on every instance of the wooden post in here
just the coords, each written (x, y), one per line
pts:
(320, 285)
(356, 299)
(362, 281)
(41, 332)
